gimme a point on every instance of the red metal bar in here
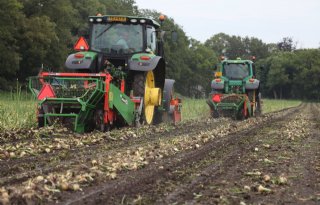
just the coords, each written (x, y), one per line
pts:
(43, 74)
(85, 84)
(108, 114)
(122, 86)
(41, 78)
(177, 112)
(136, 101)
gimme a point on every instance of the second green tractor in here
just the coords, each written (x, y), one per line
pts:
(235, 90)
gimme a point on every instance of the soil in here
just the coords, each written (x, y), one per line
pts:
(271, 159)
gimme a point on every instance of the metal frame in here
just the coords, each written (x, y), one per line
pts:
(86, 103)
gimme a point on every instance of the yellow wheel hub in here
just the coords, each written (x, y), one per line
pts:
(152, 97)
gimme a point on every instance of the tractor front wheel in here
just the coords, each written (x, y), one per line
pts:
(258, 110)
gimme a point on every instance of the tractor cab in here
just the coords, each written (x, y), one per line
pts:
(236, 70)
(118, 40)
(122, 36)
(234, 76)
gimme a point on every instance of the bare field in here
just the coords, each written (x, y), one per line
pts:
(273, 159)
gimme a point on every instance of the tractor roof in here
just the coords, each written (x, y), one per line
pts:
(123, 19)
(237, 61)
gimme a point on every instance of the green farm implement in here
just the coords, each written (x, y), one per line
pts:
(235, 91)
(116, 79)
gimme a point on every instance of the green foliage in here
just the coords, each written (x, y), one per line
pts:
(17, 110)
(10, 13)
(200, 60)
(270, 105)
(194, 108)
(291, 74)
(39, 38)
(287, 44)
(235, 46)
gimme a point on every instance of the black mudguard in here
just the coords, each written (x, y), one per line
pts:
(168, 93)
(146, 65)
(253, 86)
(73, 63)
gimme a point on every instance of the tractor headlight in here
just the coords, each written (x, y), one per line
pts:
(133, 20)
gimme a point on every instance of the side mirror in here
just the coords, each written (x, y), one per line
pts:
(174, 36)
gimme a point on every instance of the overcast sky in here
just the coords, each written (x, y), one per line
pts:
(268, 20)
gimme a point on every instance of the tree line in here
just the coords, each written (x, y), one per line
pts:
(41, 33)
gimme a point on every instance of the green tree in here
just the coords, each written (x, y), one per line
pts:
(219, 43)
(307, 80)
(236, 46)
(120, 7)
(255, 47)
(287, 44)
(10, 19)
(63, 14)
(38, 39)
(84, 9)
(201, 61)
(281, 74)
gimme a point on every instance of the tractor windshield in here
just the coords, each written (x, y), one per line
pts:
(236, 71)
(117, 38)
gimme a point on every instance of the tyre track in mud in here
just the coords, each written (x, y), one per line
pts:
(144, 181)
(224, 183)
(18, 170)
(197, 127)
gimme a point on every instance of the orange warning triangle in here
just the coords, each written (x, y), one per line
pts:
(81, 45)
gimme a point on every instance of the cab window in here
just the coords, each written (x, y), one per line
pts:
(151, 39)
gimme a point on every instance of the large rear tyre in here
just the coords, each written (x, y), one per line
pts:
(258, 110)
(143, 81)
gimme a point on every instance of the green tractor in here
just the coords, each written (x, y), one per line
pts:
(116, 78)
(235, 90)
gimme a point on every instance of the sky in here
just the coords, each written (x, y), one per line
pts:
(268, 20)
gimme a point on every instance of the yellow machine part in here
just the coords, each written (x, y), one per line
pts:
(152, 97)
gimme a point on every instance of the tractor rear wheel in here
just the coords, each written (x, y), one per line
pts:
(258, 110)
(144, 86)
